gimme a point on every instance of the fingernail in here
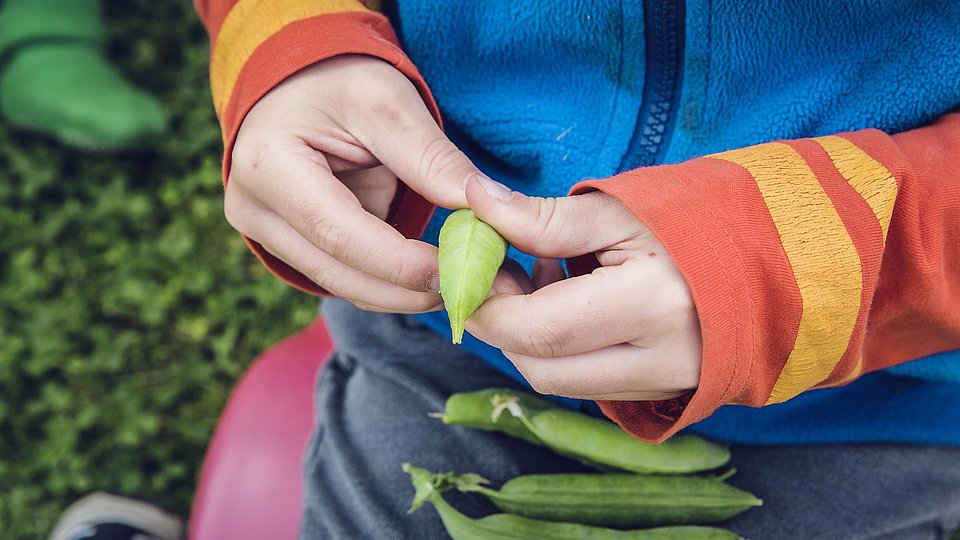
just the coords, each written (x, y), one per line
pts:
(434, 284)
(493, 188)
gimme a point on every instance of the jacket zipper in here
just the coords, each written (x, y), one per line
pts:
(663, 22)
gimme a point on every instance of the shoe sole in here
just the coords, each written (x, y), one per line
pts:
(105, 508)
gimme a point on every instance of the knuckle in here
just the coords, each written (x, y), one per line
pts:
(406, 270)
(545, 214)
(249, 159)
(327, 277)
(542, 383)
(241, 214)
(439, 156)
(362, 306)
(396, 270)
(542, 342)
(232, 210)
(328, 235)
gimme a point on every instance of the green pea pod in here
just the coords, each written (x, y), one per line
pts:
(470, 253)
(481, 410)
(592, 441)
(510, 527)
(616, 500)
(574, 434)
(486, 410)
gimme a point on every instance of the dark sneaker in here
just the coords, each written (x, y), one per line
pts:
(100, 516)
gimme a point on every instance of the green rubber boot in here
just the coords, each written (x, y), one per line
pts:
(54, 77)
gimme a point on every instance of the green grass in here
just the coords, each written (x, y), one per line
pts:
(128, 307)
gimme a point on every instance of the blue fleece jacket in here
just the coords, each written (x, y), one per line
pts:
(542, 94)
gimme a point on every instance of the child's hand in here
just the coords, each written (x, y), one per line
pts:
(315, 169)
(627, 331)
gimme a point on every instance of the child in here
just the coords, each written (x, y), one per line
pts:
(710, 267)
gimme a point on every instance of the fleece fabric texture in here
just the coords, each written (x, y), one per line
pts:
(548, 99)
(645, 98)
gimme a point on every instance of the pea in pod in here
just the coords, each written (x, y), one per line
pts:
(593, 441)
(616, 500)
(429, 488)
(470, 253)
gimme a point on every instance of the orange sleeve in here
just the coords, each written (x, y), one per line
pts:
(811, 262)
(256, 44)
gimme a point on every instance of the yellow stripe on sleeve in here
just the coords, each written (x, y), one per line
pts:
(250, 23)
(867, 176)
(825, 262)
(850, 377)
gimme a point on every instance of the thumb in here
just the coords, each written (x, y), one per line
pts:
(416, 150)
(559, 227)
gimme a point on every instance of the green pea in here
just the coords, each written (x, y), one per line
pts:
(616, 500)
(429, 488)
(470, 253)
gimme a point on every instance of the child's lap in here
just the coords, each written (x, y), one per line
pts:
(372, 405)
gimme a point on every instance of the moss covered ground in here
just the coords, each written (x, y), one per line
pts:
(128, 307)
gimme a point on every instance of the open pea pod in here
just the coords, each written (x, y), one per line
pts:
(470, 253)
(480, 410)
(593, 441)
(429, 488)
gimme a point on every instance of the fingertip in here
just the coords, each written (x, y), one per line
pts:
(472, 190)
(477, 198)
(492, 188)
(496, 205)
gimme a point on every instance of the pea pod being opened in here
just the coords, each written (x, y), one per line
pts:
(470, 253)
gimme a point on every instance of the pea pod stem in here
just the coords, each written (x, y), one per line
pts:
(480, 410)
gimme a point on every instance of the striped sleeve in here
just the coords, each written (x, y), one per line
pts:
(256, 44)
(811, 262)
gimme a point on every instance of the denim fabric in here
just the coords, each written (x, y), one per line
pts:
(389, 372)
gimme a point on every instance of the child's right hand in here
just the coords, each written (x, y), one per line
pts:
(315, 168)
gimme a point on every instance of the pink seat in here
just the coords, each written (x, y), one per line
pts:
(250, 484)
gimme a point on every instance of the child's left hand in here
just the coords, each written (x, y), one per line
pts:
(627, 331)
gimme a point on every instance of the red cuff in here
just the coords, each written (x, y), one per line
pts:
(704, 249)
(299, 45)
(810, 262)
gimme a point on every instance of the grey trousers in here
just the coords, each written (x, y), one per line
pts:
(389, 372)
